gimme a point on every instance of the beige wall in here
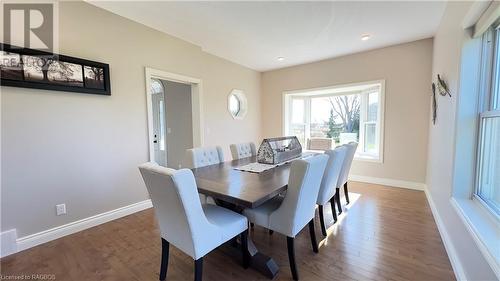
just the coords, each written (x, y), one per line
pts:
(83, 150)
(405, 68)
(447, 52)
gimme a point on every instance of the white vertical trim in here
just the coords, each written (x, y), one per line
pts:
(149, 106)
(197, 114)
(285, 119)
(307, 119)
(381, 121)
(363, 111)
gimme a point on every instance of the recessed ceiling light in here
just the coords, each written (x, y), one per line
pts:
(281, 58)
(365, 37)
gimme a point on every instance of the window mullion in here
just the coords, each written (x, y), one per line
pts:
(362, 120)
(486, 72)
(307, 116)
(378, 128)
(495, 93)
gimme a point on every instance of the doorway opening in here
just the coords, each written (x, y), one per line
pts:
(174, 116)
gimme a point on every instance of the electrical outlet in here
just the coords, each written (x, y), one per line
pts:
(61, 209)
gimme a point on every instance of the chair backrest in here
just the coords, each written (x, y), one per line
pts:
(299, 204)
(243, 150)
(320, 144)
(178, 210)
(203, 156)
(332, 174)
(346, 167)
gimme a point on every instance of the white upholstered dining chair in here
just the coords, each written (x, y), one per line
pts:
(344, 174)
(288, 215)
(203, 156)
(243, 150)
(328, 186)
(184, 222)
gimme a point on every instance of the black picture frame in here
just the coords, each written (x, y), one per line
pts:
(101, 87)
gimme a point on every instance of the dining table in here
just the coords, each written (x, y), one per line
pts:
(237, 190)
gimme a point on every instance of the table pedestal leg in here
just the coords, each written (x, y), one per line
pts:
(258, 261)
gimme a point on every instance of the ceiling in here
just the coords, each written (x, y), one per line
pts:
(255, 34)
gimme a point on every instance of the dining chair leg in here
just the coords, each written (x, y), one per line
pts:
(312, 233)
(346, 193)
(339, 206)
(198, 269)
(251, 225)
(334, 212)
(244, 249)
(291, 257)
(164, 259)
(322, 220)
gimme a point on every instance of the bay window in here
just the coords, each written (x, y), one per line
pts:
(343, 113)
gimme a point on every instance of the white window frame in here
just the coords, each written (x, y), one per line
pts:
(478, 219)
(306, 119)
(363, 121)
(489, 93)
(288, 96)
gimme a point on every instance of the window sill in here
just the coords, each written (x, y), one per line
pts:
(367, 159)
(485, 230)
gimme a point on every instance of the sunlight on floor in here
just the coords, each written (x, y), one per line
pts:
(333, 228)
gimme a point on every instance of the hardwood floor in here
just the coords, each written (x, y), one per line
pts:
(383, 234)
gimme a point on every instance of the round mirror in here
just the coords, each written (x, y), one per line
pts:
(237, 104)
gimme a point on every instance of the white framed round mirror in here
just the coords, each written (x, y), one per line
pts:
(237, 104)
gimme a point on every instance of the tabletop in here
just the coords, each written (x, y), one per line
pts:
(245, 189)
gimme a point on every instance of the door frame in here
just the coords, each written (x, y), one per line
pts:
(196, 104)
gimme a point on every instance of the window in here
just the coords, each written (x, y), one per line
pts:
(237, 104)
(343, 113)
(234, 105)
(157, 92)
(488, 154)
(297, 120)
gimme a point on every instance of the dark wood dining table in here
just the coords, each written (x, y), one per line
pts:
(238, 190)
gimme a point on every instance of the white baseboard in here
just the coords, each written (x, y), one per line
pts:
(389, 182)
(448, 245)
(8, 243)
(45, 236)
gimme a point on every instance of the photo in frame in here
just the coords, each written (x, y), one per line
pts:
(29, 68)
